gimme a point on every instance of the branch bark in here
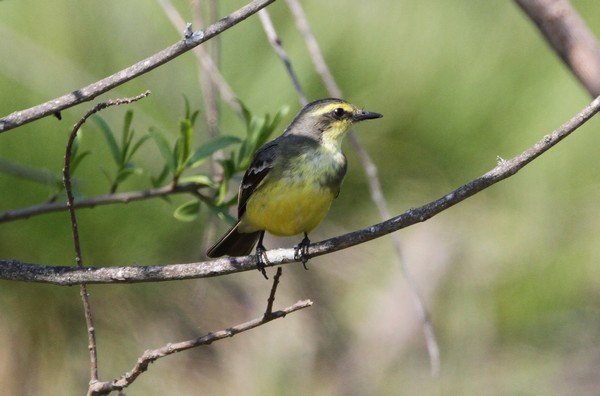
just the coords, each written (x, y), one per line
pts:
(106, 199)
(88, 93)
(67, 276)
(569, 36)
(150, 356)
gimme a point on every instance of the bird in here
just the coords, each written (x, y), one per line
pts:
(292, 180)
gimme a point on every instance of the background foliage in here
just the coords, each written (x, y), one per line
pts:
(510, 274)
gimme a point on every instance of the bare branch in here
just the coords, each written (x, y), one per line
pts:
(150, 356)
(206, 61)
(84, 94)
(106, 199)
(275, 42)
(569, 36)
(83, 291)
(271, 299)
(67, 276)
(313, 48)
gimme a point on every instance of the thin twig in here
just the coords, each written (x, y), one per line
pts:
(89, 92)
(75, 228)
(313, 48)
(275, 42)
(206, 62)
(68, 276)
(150, 356)
(568, 35)
(106, 199)
(271, 299)
(209, 88)
(374, 184)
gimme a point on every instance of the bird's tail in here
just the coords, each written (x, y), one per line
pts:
(234, 243)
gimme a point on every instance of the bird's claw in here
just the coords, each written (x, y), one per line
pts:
(301, 251)
(261, 260)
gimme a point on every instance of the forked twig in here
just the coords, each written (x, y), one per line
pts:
(150, 356)
(271, 300)
(75, 228)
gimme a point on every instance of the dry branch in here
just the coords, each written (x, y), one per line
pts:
(88, 93)
(569, 36)
(150, 356)
(106, 199)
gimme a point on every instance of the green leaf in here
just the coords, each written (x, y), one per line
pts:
(75, 161)
(164, 148)
(187, 107)
(194, 116)
(246, 115)
(188, 211)
(136, 146)
(127, 135)
(110, 137)
(106, 174)
(162, 177)
(210, 147)
(258, 132)
(185, 143)
(198, 179)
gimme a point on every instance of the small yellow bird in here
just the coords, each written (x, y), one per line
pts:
(292, 180)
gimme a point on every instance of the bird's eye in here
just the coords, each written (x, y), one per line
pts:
(339, 112)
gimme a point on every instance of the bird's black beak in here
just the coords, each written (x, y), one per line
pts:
(366, 115)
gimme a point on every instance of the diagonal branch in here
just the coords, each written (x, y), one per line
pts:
(84, 94)
(569, 36)
(67, 276)
(150, 356)
(275, 42)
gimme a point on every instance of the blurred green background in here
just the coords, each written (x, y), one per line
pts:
(510, 275)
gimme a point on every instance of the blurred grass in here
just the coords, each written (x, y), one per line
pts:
(509, 274)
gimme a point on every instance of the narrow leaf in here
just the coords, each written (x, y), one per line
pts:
(188, 211)
(210, 147)
(110, 137)
(164, 148)
(198, 179)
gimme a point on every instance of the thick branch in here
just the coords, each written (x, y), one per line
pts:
(568, 34)
(84, 94)
(59, 275)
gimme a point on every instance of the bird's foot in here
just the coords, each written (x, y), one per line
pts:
(261, 259)
(301, 251)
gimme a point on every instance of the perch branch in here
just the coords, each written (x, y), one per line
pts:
(66, 276)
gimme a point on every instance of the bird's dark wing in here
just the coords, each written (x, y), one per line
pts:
(261, 165)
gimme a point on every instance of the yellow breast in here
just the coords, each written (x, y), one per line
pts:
(286, 209)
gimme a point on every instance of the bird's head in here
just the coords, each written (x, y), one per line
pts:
(328, 120)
